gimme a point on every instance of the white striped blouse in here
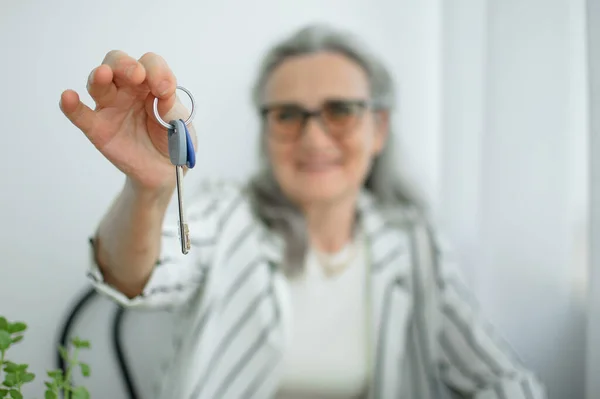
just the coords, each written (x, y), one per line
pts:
(427, 339)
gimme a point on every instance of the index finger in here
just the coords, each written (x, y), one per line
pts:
(126, 69)
(160, 78)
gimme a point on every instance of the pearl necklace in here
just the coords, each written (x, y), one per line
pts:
(336, 263)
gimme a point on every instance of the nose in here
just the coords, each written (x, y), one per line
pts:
(314, 134)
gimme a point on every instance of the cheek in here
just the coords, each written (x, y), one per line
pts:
(280, 156)
(358, 153)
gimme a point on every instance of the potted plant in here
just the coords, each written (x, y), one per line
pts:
(14, 375)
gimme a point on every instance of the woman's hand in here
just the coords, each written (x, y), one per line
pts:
(123, 126)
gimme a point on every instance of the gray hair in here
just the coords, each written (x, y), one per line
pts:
(391, 192)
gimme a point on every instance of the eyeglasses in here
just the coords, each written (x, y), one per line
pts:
(287, 121)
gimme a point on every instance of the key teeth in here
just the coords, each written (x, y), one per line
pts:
(186, 231)
(188, 243)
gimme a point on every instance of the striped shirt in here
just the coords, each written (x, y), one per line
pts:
(427, 339)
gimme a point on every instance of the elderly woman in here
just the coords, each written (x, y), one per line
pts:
(320, 277)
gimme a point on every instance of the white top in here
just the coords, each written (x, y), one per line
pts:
(327, 356)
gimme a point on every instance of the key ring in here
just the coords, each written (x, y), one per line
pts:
(188, 120)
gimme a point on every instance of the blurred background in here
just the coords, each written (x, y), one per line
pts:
(494, 121)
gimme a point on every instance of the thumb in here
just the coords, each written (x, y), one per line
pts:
(77, 112)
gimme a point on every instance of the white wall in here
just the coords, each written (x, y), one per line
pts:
(514, 177)
(480, 85)
(593, 364)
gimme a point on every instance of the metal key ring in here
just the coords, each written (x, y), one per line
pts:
(188, 120)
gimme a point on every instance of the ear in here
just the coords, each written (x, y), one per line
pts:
(382, 124)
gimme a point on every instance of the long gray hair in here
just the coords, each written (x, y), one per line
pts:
(384, 181)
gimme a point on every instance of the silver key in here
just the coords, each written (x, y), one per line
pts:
(178, 156)
(184, 232)
(182, 154)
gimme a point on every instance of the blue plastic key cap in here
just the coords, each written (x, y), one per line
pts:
(178, 147)
(191, 154)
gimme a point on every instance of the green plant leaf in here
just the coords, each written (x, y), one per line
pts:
(5, 340)
(50, 395)
(17, 327)
(63, 353)
(56, 375)
(10, 367)
(14, 394)
(3, 392)
(10, 380)
(3, 324)
(80, 393)
(28, 377)
(17, 338)
(79, 343)
(85, 369)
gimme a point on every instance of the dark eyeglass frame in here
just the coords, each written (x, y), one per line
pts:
(362, 105)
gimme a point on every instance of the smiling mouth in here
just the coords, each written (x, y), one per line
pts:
(318, 166)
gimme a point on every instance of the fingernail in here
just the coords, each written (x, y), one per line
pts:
(163, 87)
(129, 71)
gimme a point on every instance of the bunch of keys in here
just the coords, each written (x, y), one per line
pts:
(181, 153)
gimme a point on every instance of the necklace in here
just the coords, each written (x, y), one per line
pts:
(334, 264)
